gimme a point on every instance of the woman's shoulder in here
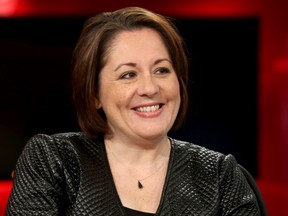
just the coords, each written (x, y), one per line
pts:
(61, 140)
(51, 154)
(189, 147)
(201, 155)
(60, 148)
(215, 175)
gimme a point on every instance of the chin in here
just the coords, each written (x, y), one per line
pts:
(153, 136)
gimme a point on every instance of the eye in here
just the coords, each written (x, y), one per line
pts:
(128, 75)
(162, 70)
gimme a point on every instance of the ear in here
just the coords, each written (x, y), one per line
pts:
(98, 105)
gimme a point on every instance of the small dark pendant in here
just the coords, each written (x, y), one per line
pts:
(140, 186)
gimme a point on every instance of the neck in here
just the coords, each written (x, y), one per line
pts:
(138, 152)
(142, 165)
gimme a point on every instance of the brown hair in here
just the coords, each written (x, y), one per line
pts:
(91, 51)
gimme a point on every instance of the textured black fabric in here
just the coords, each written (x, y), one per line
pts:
(68, 174)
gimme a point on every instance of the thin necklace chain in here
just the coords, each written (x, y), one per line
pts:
(140, 185)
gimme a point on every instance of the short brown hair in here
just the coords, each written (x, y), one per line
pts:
(91, 50)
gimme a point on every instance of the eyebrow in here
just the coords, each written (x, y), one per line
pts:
(134, 64)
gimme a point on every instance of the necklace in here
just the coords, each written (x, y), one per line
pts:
(139, 184)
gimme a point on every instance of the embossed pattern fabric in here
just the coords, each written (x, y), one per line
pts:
(69, 174)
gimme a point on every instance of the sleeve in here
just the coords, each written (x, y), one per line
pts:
(236, 196)
(37, 180)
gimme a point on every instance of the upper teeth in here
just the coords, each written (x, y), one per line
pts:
(148, 108)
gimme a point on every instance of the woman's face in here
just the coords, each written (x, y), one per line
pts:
(138, 89)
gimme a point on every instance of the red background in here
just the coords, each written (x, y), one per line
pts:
(273, 70)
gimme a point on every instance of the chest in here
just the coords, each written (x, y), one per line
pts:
(180, 191)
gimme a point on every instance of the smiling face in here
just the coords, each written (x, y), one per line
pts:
(138, 87)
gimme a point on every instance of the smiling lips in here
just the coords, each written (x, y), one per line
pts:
(149, 109)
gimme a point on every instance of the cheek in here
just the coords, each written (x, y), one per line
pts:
(174, 90)
(116, 97)
(175, 95)
(178, 99)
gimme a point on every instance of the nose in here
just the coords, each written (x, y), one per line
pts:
(147, 86)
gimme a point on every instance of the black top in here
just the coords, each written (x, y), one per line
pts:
(69, 174)
(132, 212)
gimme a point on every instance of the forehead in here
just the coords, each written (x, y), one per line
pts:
(135, 31)
(139, 41)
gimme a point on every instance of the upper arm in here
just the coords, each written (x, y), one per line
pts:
(236, 195)
(37, 179)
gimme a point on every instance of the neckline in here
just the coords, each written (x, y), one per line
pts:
(136, 212)
(113, 186)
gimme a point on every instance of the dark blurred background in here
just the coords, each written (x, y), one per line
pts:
(238, 78)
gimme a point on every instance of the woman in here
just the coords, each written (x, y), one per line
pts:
(129, 82)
